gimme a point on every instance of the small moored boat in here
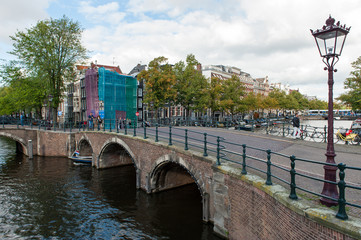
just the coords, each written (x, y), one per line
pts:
(80, 159)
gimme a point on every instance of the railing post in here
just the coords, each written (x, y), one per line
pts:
(70, 126)
(135, 129)
(205, 145)
(325, 133)
(170, 135)
(156, 132)
(110, 125)
(218, 151)
(54, 126)
(302, 135)
(117, 124)
(145, 130)
(283, 128)
(186, 139)
(104, 125)
(341, 214)
(293, 194)
(64, 127)
(244, 170)
(269, 181)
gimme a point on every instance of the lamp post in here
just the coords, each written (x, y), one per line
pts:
(330, 40)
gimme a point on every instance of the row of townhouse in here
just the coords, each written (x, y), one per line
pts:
(84, 95)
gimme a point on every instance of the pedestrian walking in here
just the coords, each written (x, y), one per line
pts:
(21, 119)
(296, 126)
(99, 121)
(120, 123)
(91, 120)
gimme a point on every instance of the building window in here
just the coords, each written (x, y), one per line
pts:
(140, 92)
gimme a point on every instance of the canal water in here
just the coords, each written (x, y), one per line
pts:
(51, 198)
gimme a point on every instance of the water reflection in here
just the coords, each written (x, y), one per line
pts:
(49, 197)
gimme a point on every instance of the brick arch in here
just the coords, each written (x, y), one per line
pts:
(87, 152)
(173, 158)
(21, 141)
(122, 144)
(160, 165)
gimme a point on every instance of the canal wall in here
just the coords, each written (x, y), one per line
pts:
(239, 206)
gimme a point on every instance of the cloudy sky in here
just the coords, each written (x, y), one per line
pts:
(262, 37)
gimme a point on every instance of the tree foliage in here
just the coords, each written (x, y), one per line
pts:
(353, 84)
(49, 51)
(190, 84)
(159, 81)
(233, 91)
(21, 92)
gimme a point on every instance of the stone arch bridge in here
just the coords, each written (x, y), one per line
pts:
(240, 207)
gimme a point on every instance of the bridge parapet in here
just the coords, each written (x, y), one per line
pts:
(240, 206)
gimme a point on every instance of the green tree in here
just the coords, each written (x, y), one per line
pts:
(215, 91)
(190, 84)
(159, 81)
(315, 104)
(281, 98)
(232, 92)
(23, 92)
(353, 84)
(301, 100)
(49, 51)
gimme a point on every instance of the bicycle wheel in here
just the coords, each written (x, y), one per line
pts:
(356, 140)
(317, 137)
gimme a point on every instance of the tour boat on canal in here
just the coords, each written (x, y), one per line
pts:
(80, 159)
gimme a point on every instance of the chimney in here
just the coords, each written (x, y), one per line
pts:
(199, 67)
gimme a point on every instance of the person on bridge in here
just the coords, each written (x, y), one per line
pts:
(21, 119)
(99, 121)
(296, 126)
(91, 120)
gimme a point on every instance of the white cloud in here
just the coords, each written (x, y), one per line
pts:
(263, 38)
(18, 15)
(108, 13)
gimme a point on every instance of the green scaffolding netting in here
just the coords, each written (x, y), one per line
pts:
(119, 95)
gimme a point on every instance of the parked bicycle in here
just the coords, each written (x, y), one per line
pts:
(349, 136)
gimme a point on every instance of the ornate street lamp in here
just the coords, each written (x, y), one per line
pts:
(330, 41)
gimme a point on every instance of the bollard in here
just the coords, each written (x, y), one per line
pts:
(145, 130)
(30, 149)
(135, 129)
